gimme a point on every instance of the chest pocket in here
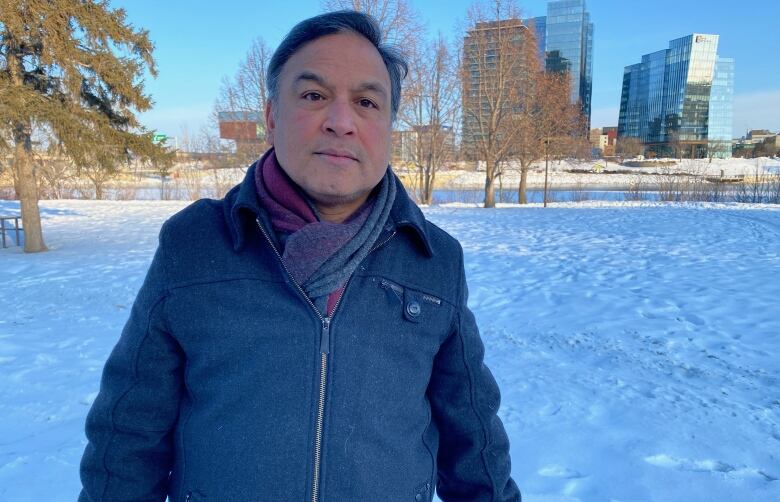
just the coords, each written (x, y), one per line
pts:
(415, 305)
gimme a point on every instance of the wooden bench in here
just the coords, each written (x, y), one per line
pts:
(16, 228)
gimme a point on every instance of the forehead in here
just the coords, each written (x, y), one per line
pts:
(341, 56)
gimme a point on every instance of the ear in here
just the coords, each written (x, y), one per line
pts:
(270, 124)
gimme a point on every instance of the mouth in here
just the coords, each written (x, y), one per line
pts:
(337, 155)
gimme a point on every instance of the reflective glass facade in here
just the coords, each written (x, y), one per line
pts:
(540, 29)
(569, 47)
(721, 116)
(678, 101)
(565, 43)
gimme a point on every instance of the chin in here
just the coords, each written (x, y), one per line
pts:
(337, 197)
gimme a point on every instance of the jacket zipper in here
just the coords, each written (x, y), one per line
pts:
(324, 353)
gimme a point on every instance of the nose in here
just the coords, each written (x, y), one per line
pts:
(339, 119)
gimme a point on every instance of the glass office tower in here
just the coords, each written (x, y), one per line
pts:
(540, 29)
(678, 101)
(720, 113)
(565, 43)
(569, 48)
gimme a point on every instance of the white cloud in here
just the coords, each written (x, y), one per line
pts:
(759, 110)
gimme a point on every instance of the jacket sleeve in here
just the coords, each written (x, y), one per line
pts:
(129, 428)
(473, 457)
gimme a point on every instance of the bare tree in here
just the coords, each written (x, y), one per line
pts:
(399, 22)
(246, 93)
(629, 146)
(55, 175)
(247, 90)
(430, 109)
(492, 69)
(548, 124)
(99, 177)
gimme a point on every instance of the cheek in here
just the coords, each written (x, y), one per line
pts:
(302, 121)
(379, 139)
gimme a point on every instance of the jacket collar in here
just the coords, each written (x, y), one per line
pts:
(242, 209)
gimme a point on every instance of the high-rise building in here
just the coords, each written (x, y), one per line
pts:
(481, 49)
(565, 44)
(678, 101)
(721, 120)
(540, 29)
(565, 37)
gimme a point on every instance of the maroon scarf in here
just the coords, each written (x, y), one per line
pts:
(307, 242)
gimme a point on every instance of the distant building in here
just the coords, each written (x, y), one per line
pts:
(403, 147)
(604, 140)
(565, 37)
(594, 137)
(484, 41)
(678, 101)
(405, 144)
(771, 146)
(759, 143)
(540, 29)
(565, 44)
(611, 134)
(570, 38)
(758, 135)
(720, 118)
(243, 127)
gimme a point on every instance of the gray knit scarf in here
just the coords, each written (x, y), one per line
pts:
(278, 195)
(340, 266)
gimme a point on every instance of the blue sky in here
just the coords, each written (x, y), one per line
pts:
(198, 42)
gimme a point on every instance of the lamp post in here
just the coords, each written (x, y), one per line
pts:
(546, 166)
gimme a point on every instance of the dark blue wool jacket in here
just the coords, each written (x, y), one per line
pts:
(228, 385)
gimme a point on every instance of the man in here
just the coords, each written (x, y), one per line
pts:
(307, 337)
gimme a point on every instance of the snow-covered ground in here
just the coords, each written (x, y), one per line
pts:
(636, 345)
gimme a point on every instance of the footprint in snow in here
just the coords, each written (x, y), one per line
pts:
(708, 465)
(694, 319)
(559, 471)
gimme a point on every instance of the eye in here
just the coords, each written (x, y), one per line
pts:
(313, 96)
(367, 103)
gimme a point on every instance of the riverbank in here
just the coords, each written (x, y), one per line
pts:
(597, 174)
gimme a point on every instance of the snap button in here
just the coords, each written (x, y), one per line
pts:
(413, 308)
(418, 497)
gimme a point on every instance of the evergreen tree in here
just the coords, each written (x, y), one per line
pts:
(75, 69)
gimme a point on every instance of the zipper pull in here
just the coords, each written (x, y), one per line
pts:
(325, 338)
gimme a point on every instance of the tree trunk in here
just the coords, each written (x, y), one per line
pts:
(15, 176)
(420, 190)
(490, 193)
(431, 184)
(522, 197)
(428, 195)
(28, 195)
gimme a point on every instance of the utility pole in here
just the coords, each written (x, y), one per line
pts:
(546, 166)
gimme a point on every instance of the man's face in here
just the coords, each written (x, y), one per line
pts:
(331, 126)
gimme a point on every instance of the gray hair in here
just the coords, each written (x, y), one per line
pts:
(330, 23)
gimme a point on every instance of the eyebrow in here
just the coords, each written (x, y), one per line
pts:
(307, 76)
